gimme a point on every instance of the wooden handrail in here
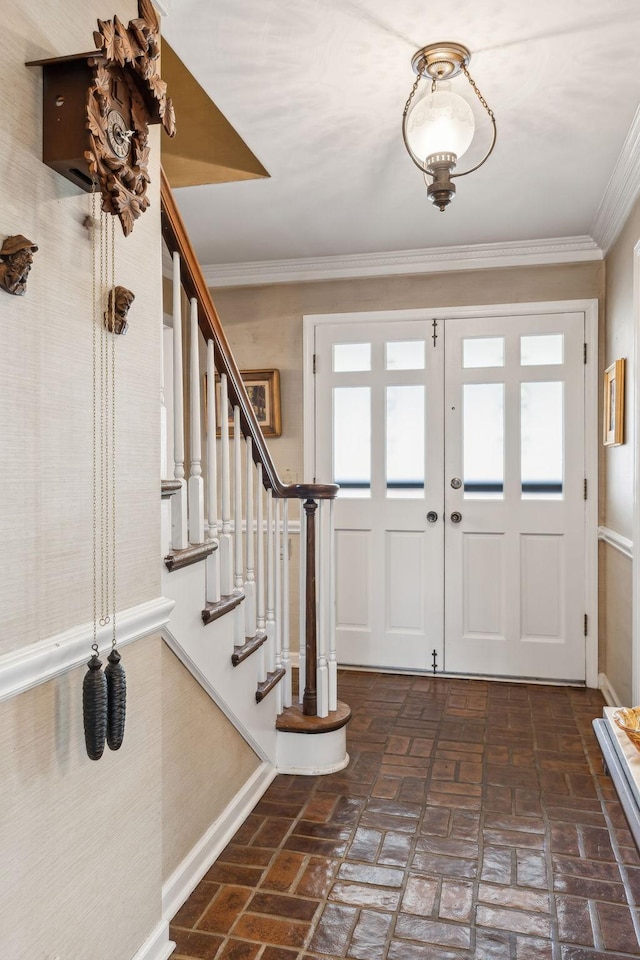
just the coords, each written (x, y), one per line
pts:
(194, 284)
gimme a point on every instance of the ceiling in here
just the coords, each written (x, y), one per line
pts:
(316, 89)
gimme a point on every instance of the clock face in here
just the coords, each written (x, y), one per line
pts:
(118, 134)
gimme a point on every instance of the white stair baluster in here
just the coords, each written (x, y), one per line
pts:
(196, 481)
(271, 624)
(286, 652)
(164, 442)
(238, 574)
(179, 539)
(260, 578)
(277, 562)
(323, 609)
(333, 659)
(302, 617)
(250, 575)
(226, 551)
(213, 561)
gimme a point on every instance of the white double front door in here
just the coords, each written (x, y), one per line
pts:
(460, 525)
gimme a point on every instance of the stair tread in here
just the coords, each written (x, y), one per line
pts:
(169, 487)
(213, 611)
(273, 679)
(192, 554)
(292, 720)
(250, 645)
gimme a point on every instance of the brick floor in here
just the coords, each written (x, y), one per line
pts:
(473, 823)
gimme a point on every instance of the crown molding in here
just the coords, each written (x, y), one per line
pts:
(431, 260)
(621, 191)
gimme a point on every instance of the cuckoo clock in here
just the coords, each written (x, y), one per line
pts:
(97, 108)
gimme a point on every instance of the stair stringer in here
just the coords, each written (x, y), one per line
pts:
(206, 652)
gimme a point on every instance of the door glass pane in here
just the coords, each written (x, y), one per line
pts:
(483, 352)
(405, 355)
(537, 350)
(483, 428)
(351, 357)
(542, 435)
(405, 442)
(352, 440)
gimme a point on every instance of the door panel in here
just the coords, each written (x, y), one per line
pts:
(379, 435)
(514, 564)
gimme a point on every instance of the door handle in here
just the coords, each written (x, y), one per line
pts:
(456, 517)
(432, 516)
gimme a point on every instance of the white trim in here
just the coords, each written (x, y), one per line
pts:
(157, 946)
(635, 439)
(590, 310)
(606, 688)
(616, 540)
(163, 7)
(429, 260)
(203, 854)
(621, 191)
(42, 661)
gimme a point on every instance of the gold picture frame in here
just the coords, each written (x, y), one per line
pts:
(263, 388)
(613, 408)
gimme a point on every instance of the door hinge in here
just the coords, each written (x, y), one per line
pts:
(434, 654)
(315, 363)
(434, 335)
(585, 353)
(584, 489)
(586, 624)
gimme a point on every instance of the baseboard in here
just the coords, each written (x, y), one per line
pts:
(188, 875)
(157, 946)
(608, 692)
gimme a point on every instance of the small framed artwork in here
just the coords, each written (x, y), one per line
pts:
(263, 388)
(613, 412)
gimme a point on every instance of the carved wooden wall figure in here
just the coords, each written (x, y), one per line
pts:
(16, 257)
(118, 303)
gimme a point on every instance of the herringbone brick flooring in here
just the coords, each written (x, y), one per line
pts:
(473, 823)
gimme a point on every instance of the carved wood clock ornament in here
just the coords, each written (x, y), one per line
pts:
(97, 111)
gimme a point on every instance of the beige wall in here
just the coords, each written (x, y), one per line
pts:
(617, 473)
(81, 841)
(45, 358)
(264, 324)
(197, 784)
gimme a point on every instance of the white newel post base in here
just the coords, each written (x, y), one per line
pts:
(312, 754)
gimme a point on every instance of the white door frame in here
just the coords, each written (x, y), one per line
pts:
(590, 309)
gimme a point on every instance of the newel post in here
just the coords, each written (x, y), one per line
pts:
(310, 698)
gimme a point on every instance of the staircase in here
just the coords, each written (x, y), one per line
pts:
(227, 530)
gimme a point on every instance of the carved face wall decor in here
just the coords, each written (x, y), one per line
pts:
(16, 257)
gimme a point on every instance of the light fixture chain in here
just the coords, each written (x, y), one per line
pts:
(413, 91)
(477, 92)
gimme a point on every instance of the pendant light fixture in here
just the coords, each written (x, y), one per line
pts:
(439, 127)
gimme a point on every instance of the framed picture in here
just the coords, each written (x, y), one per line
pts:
(613, 413)
(263, 388)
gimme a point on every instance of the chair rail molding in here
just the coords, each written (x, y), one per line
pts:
(616, 540)
(621, 191)
(429, 260)
(42, 661)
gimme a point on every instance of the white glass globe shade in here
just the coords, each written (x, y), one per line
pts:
(441, 122)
